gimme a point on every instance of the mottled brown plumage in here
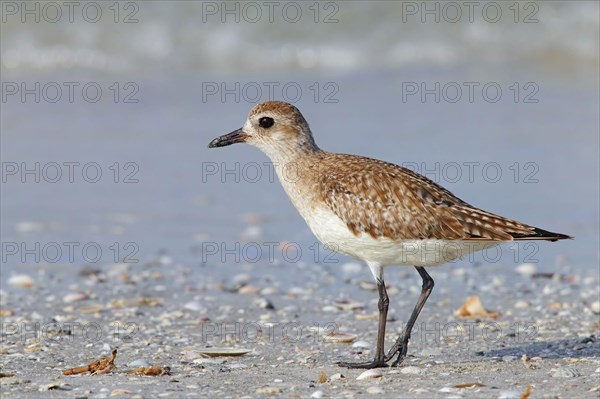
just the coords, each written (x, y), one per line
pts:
(386, 200)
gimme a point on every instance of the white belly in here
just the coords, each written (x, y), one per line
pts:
(334, 233)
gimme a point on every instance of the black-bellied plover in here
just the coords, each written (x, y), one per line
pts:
(372, 210)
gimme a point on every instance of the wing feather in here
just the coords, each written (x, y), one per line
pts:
(385, 200)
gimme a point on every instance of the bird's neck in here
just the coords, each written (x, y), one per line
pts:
(298, 151)
(296, 168)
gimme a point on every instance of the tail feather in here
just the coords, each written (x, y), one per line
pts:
(540, 234)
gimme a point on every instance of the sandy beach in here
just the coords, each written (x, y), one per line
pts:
(121, 230)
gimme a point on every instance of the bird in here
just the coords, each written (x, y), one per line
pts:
(374, 211)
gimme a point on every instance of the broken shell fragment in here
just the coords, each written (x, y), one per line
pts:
(216, 352)
(472, 308)
(373, 373)
(340, 338)
(21, 280)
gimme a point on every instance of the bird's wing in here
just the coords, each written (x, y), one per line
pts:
(386, 200)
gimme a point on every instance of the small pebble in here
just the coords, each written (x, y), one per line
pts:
(526, 269)
(431, 352)
(375, 390)
(548, 290)
(298, 291)
(411, 370)
(139, 363)
(253, 218)
(317, 394)
(367, 316)
(349, 305)
(268, 390)
(418, 390)
(566, 372)
(521, 304)
(91, 308)
(249, 290)
(352, 267)
(75, 296)
(589, 280)
(460, 272)
(165, 260)
(6, 312)
(48, 387)
(448, 389)
(595, 307)
(251, 233)
(241, 279)
(268, 291)
(368, 286)
(193, 305)
(264, 303)
(361, 345)
(29, 227)
(204, 360)
(337, 376)
(290, 309)
(508, 394)
(21, 280)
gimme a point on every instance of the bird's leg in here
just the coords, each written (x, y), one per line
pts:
(401, 345)
(379, 361)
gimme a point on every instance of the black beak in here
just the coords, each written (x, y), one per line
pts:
(237, 136)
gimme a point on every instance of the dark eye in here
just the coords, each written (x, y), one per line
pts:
(266, 122)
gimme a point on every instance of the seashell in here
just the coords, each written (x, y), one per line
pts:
(375, 390)
(342, 338)
(361, 345)
(217, 352)
(472, 308)
(349, 305)
(21, 280)
(373, 373)
(193, 305)
(75, 296)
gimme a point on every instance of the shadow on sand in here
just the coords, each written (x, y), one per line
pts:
(557, 349)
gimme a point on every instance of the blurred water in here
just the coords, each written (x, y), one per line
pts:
(353, 75)
(194, 36)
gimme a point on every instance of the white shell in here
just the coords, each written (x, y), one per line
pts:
(373, 373)
(22, 280)
(339, 337)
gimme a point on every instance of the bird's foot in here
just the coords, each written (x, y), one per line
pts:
(373, 364)
(400, 348)
(398, 360)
